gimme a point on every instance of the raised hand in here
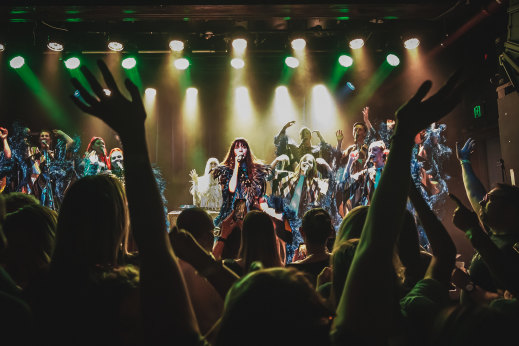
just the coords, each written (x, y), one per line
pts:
(193, 175)
(365, 114)
(468, 148)
(121, 114)
(185, 246)
(319, 135)
(416, 114)
(463, 217)
(3, 133)
(287, 125)
(339, 135)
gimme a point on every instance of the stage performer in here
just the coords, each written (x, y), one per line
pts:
(241, 176)
(95, 159)
(115, 162)
(205, 189)
(286, 146)
(357, 189)
(303, 190)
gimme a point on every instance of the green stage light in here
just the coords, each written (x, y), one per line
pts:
(129, 63)
(17, 62)
(345, 60)
(392, 60)
(72, 63)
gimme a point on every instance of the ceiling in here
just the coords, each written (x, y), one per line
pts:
(210, 26)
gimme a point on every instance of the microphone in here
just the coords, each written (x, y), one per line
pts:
(240, 157)
(119, 165)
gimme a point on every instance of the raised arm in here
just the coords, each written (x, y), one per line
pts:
(503, 266)
(442, 246)
(366, 307)
(166, 307)
(68, 140)
(3, 136)
(473, 186)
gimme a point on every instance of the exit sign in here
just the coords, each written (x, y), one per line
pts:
(478, 112)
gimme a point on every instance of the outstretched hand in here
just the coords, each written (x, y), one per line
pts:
(185, 245)
(416, 114)
(365, 114)
(463, 217)
(468, 148)
(121, 114)
(339, 135)
(287, 125)
(3, 133)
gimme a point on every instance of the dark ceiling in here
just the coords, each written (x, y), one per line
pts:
(209, 25)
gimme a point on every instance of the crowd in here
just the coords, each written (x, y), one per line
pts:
(69, 276)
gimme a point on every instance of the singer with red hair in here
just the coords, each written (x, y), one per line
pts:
(95, 159)
(241, 176)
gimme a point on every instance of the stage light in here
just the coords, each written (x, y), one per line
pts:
(181, 64)
(298, 44)
(150, 92)
(107, 92)
(129, 63)
(345, 60)
(115, 46)
(55, 46)
(356, 43)
(2, 47)
(72, 63)
(239, 44)
(412, 43)
(281, 90)
(192, 92)
(292, 62)
(392, 60)
(350, 86)
(237, 63)
(17, 62)
(176, 45)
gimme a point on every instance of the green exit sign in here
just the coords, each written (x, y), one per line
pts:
(478, 112)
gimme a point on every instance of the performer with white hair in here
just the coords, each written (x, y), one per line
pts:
(206, 190)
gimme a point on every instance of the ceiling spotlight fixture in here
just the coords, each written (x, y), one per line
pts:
(181, 64)
(298, 44)
(392, 60)
(107, 92)
(72, 63)
(150, 92)
(55, 46)
(350, 86)
(17, 62)
(239, 44)
(192, 91)
(412, 43)
(176, 45)
(237, 63)
(345, 60)
(356, 43)
(115, 46)
(292, 62)
(2, 47)
(128, 63)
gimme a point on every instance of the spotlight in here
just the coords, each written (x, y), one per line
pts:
(107, 92)
(392, 60)
(412, 43)
(298, 44)
(239, 44)
(350, 86)
(192, 91)
(2, 47)
(356, 43)
(17, 62)
(115, 46)
(129, 63)
(345, 60)
(150, 92)
(176, 45)
(237, 63)
(181, 64)
(292, 62)
(72, 63)
(281, 90)
(55, 46)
